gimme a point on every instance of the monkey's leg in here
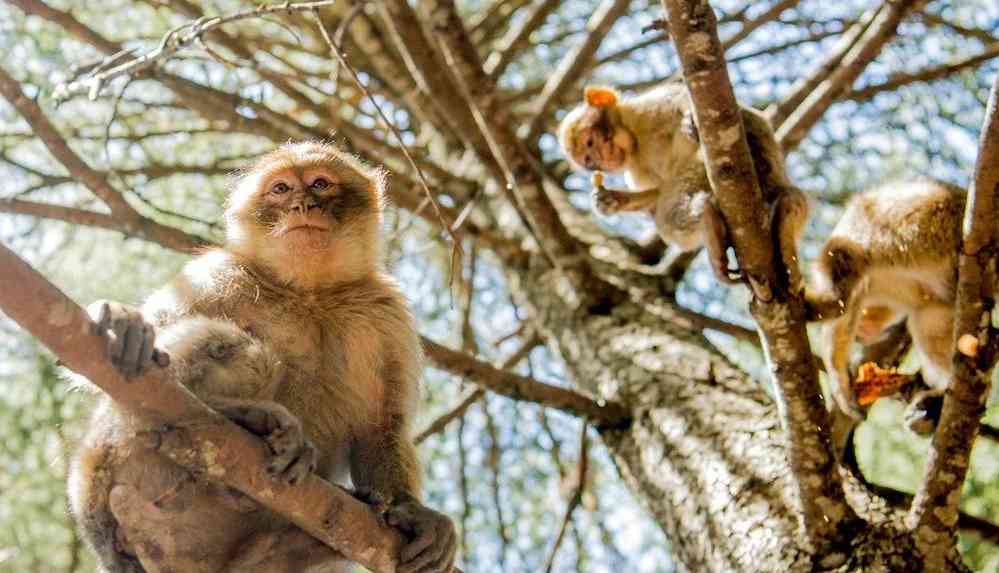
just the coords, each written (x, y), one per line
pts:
(931, 327)
(610, 201)
(716, 241)
(289, 550)
(844, 265)
(787, 221)
(838, 337)
(294, 456)
(90, 485)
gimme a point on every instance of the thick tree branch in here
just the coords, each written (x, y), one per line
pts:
(94, 180)
(881, 31)
(780, 316)
(202, 437)
(934, 512)
(601, 414)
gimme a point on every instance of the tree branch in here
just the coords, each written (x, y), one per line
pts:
(94, 180)
(574, 63)
(927, 75)
(934, 512)
(514, 386)
(881, 31)
(474, 396)
(202, 437)
(827, 516)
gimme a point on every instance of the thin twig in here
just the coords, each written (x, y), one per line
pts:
(575, 498)
(456, 250)
(172, 42)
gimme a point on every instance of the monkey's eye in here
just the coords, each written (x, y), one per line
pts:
(589, 141)
(280, 187)
(319, 184)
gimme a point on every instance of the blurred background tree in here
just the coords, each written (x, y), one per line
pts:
(167, 139)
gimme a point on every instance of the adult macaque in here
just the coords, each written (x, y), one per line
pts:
(892, 256)
(653, 139)
(300, 272)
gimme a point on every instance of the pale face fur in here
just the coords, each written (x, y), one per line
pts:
(593, 140)
(310, 213)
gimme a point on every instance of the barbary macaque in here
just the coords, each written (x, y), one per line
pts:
(653, 139)
(300, 275)
(891, 257)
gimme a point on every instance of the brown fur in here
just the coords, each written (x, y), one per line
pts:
(651, 138)
(338, 324)
(891, 256)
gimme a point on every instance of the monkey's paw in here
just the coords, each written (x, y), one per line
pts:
(432, 541)
(294, 456)
(923, 411)
(607, 201)
(130, 338)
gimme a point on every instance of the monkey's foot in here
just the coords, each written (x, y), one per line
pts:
(130, 338)
(432, 541)
(923, 412)
(294, 456)
(716, 242)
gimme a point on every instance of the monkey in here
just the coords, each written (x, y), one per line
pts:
(891, 257)
(300, 270)
(653, 139)
(234, 373)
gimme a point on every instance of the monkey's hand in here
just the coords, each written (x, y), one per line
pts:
(432, 539)
(130, 338)
(294, 456)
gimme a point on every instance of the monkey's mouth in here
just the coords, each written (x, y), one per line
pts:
(297, 223)
(307, 227)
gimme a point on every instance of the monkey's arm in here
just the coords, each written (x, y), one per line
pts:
(384, 466)
(610, 201)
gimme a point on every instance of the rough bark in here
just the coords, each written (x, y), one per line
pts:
(780, 314)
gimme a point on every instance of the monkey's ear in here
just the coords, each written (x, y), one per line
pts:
(600, 96)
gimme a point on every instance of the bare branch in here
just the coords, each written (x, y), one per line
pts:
(237, 458)
(826, 514)
(517, 37)
(574, 63)
(94, 180)
(882, 30)
(175, 40)
(934, 512)
(514, 386)
(927, 75)
(575, 498)
(474, 396)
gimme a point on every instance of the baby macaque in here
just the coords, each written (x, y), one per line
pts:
(652, 137)
(234, 373)
(300, 274)
(892, 257)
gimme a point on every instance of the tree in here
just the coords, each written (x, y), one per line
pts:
(475, 92)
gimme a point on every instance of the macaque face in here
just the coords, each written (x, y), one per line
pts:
(598, 144)
(305, 197)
